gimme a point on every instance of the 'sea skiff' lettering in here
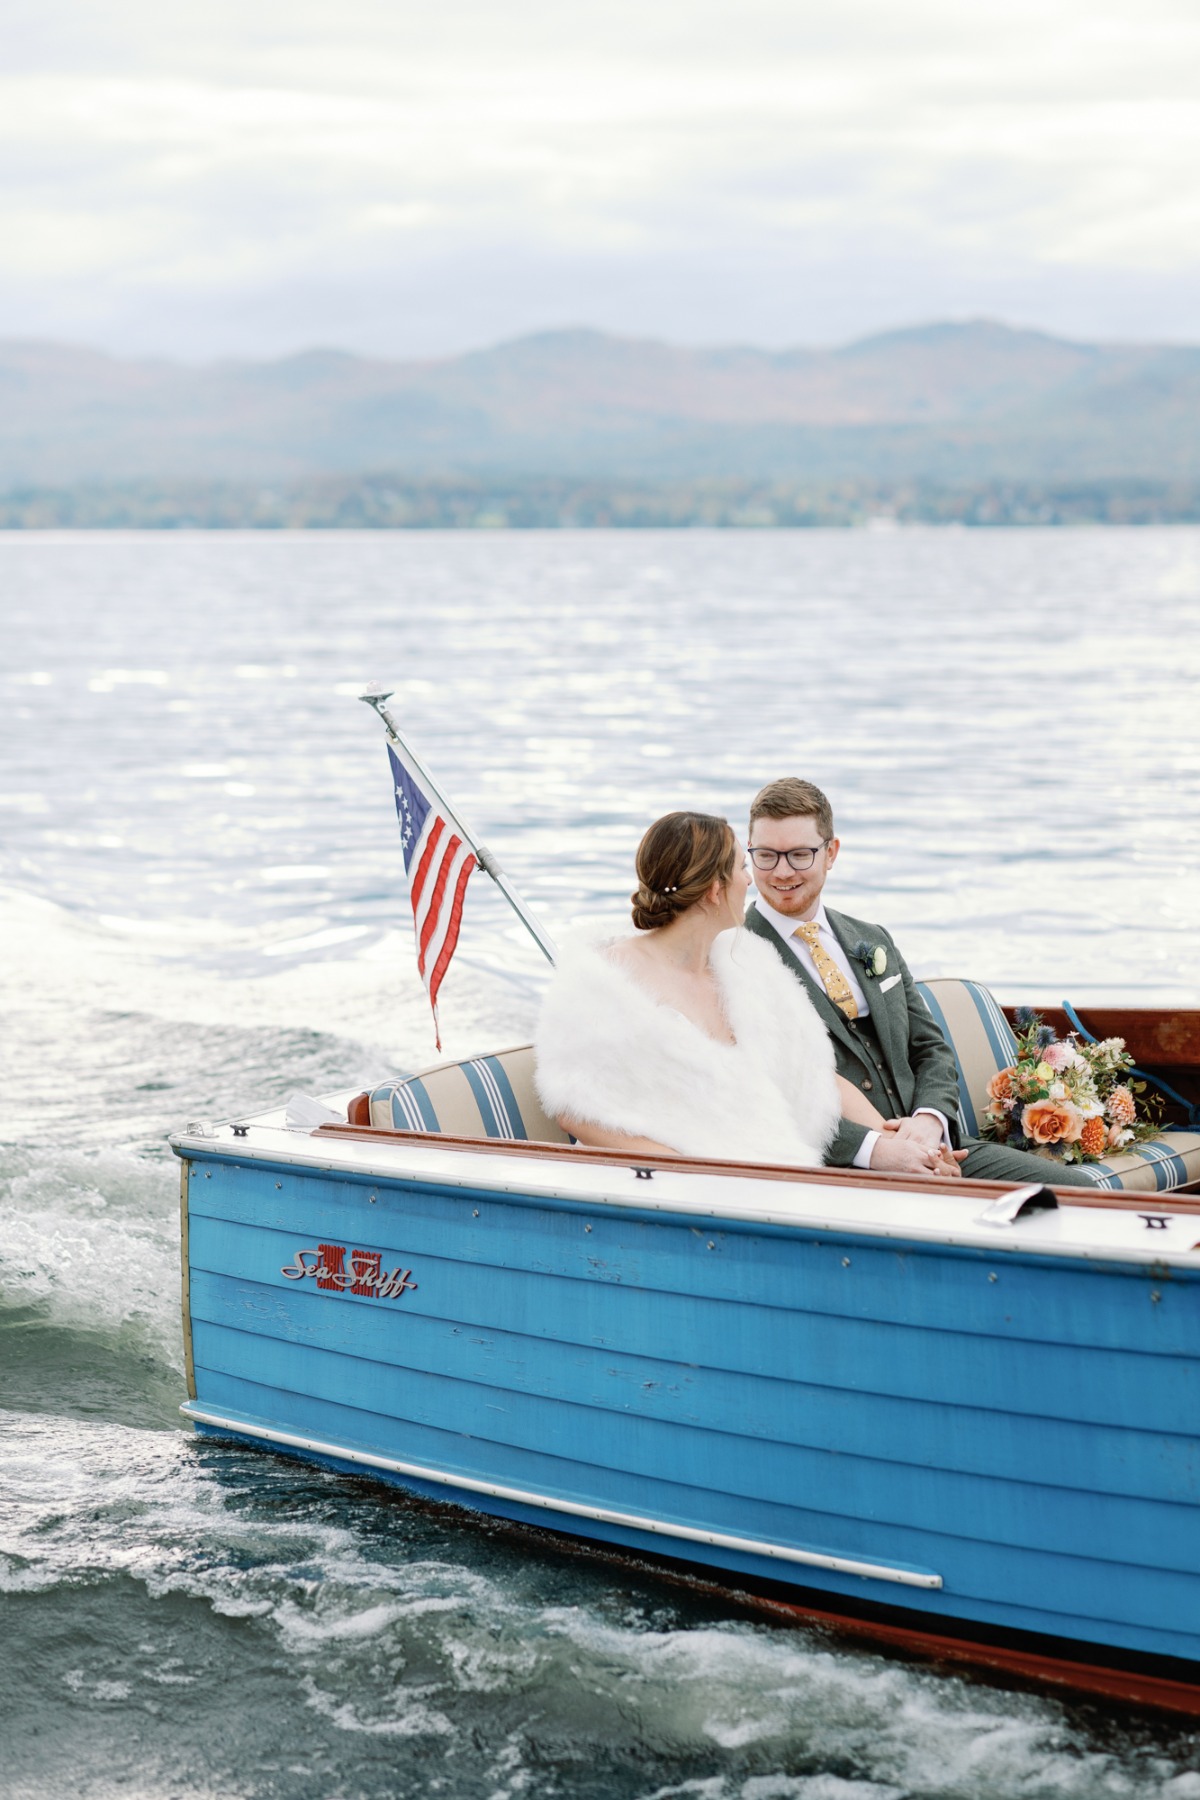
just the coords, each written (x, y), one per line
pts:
(368, 1272)
(338, 1271)
(331, 1274)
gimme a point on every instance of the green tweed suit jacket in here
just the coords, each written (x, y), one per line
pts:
(919, 1064)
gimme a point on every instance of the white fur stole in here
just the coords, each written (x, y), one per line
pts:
(607, 1051)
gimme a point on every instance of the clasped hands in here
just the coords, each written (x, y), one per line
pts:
(915, 1147)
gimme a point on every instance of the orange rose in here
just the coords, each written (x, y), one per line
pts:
(1052, 1122)
(1000, 1086)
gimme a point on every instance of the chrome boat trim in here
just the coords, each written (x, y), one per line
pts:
(841, 1565)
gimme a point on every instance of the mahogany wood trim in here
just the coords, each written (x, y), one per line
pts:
(1159, 1038)
(1129, 1685)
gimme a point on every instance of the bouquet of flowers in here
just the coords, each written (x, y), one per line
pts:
(1063, 1099)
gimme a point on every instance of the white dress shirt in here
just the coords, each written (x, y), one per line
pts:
(825, 933)
(786, 927)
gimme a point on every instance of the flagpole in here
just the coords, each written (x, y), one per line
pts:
(378, 699)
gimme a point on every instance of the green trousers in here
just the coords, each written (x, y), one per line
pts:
(987, 1161)
(996, 1162)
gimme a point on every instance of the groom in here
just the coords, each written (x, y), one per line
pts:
(884, 1039)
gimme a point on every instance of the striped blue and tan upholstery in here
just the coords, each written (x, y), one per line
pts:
(485, 1096)
(982, 1041)
(980, 1037)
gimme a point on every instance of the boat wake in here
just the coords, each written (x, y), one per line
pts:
(378, 1633)
(89, 1260)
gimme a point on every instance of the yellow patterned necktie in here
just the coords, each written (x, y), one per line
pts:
(834, 982)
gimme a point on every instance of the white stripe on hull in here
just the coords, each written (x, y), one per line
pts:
(815, 1559)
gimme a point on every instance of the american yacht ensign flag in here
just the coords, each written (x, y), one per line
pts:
(439, 856)
(438, 864)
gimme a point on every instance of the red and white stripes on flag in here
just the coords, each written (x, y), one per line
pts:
(439, 863)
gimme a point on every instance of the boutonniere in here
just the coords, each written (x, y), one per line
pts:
(873, 958)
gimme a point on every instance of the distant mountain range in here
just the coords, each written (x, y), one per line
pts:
(949, 404)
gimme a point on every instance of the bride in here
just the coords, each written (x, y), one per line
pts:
(690, 1036)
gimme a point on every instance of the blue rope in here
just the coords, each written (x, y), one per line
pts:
(1192, 1120)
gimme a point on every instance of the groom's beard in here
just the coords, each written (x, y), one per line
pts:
(795, 898)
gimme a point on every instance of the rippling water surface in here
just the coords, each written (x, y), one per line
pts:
(201, 908)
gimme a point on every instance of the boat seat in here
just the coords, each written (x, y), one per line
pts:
(983, 1043)
(483, 1096)
(494, 1096)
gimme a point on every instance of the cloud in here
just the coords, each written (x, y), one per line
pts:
(204, 179)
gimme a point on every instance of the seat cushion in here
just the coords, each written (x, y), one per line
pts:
(1165, 1162)
(484, 1096)
(982, 1040)
(980, 1037)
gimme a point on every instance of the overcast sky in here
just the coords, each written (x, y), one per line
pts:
(232, 178)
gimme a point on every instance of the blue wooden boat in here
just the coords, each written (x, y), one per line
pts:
(963, 1420)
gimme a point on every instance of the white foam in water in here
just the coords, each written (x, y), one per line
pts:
(907, 1730)
(62, 972)
(416, 1719)
(814, 1787)
(778, 1787)
(98, 1690)
(95, 1238)
(100, 1503)
(303, 1630)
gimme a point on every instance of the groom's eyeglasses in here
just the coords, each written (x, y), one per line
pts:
(796, 859)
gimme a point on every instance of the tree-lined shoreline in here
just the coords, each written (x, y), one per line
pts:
(386, 501)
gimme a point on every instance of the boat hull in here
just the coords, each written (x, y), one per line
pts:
(971, 1444)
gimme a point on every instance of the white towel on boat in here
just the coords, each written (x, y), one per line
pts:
(609, 1052)
(303, 1113)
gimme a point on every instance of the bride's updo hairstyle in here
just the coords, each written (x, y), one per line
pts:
(678, 860)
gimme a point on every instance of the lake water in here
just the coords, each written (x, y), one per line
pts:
(202, 908)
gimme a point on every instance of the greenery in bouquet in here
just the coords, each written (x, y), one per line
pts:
(1071, 1101)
